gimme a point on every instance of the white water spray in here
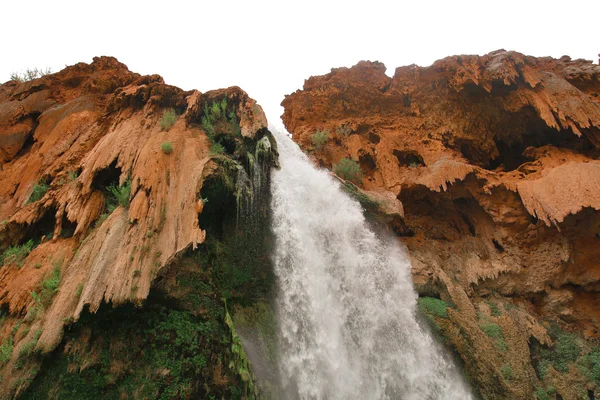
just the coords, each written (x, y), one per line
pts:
(346, 304)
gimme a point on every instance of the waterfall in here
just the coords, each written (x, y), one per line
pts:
(346, 305)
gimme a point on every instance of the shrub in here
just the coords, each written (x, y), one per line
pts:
(348, 169)
(320, 138)
(168, 119)
(217, 148)
(39, 190)
(216, 121)
(16, 254)
(507, 372)
(29, 74)
(120, 195)
(433, 306)
(166, 147)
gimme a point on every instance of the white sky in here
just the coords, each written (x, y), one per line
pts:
(268, 48)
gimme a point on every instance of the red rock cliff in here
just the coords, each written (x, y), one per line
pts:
(495, 160)
(65, 138)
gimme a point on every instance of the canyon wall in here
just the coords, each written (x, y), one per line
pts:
(487, 168)
(121, 235)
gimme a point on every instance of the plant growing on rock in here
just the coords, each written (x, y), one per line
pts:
(29, 74)
(166, 147)
(168, 119)
(39, 190)
(120, 196)
(16, 254)
(348, 169)
(320, 138)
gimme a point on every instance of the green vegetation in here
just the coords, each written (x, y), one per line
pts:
(6, 350)
(149, 352)
(433, 306)
(119, 196)
(367, 203)
(29, 74)
(216, 149)
(239, 364)
(507, 372)
(320, 138)
(168, 119)
(39, 190)
(493, 331)
(16, 254)
(216, 121)
(166, 147)
(28, 347)
(348, 169)
(547, 394)
(494, 309)
(561, 355)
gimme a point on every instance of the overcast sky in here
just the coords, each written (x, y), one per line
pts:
(268, 48)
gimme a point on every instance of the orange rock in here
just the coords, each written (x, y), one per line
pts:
(495, 160)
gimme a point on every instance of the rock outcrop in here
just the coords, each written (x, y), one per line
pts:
(495, 161)
(104, 176)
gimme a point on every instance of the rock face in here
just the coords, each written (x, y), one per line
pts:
(103, 177)
(495, 160)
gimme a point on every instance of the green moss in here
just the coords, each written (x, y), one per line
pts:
(367, 203)
(433, 306)
(6, 350)
(493, 331)
(494, 309)
(545, 394)
(507, 372)
(561, 355)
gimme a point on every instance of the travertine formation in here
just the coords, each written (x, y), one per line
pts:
(495, 160)
(78, 132)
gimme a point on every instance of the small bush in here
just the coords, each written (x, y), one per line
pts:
(216, 121)
(507, 372)
(29, 74)
(320, 138)
(120, 195)
(348, 169)
(72, 175)
(39, 190)
(217, 148)
(168, 119)
(166, 147)
(433, 306)
(16, 254)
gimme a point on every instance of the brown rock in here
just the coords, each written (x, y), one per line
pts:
(495, 160)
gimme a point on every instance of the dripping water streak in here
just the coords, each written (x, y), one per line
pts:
(347, 307)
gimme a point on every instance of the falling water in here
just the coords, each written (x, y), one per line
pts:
(346, 306)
